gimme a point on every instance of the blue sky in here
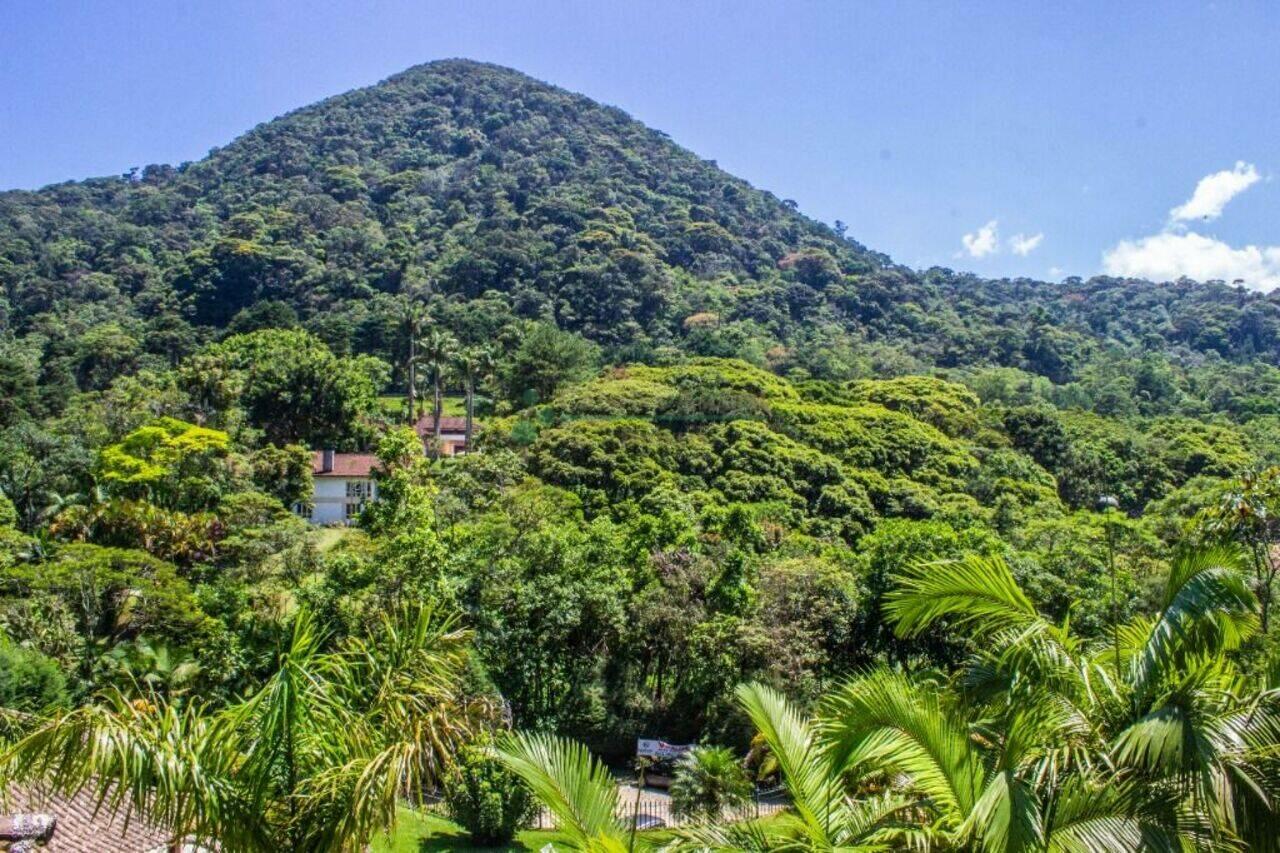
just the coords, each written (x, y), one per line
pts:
(917, 124)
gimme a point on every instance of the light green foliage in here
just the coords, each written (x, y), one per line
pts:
(168, 463)
(949, 407)
(873, 437)
(617, 397)
(8, 513)
(604, 460)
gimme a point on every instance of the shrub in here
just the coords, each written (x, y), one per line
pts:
(709, 780)
(485, 798)
(29, 681)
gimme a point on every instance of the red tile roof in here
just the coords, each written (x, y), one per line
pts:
(344, 464)
(82, 828)
(448, 423)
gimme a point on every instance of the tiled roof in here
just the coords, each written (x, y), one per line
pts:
(344, 464)
(78, 829)
(448, 423)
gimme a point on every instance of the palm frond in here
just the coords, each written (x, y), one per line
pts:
(174, 768)
(1207, 606)
(975, 593)
(571, 783)
(1006, 816)
(813, 782)
(1094, 815)
(885, 720)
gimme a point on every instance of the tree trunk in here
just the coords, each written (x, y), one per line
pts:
(437, 412)
(413, 376)
(471, 399)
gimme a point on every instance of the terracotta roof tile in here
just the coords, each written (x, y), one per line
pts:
(344, 464)
(78, 829)
(426, 425)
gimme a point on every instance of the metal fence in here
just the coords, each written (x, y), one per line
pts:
(653, 809)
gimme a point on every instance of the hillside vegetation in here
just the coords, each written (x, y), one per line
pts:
(961, 563)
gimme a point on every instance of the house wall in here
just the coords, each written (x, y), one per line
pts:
(451, 443)
(331, 502)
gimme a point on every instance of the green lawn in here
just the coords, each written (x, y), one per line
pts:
(326, 538)
(392, 405)
(420, 833)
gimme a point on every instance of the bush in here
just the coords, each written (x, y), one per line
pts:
(485, 798)
(29, 681)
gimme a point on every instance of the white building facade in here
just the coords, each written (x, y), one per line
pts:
(343, 485)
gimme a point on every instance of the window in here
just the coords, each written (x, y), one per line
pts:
(359, 489)
(350, 510)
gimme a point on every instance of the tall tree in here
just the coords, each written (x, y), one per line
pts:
(472, 365)
(415, 320)
(438, 350)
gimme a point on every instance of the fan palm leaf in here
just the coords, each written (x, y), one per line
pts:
(574, 786)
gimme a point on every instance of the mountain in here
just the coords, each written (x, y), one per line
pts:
(502, 197)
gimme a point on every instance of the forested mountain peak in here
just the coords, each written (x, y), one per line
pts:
(501, 199)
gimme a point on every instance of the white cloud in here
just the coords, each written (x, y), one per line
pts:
(1214, 191)
(1168, 256)
(1023, 244)
(982, 242)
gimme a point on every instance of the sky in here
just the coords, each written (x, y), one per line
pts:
(1010, 139)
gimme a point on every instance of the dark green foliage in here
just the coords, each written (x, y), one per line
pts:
(290, 385)
(544, 360)
(487, 800)
(478, 183)
(711, 431)
(29, 681)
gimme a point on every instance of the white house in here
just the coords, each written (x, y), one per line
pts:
(343, 484)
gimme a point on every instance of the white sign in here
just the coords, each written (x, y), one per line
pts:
(649, 748)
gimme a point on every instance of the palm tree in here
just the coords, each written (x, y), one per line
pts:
(824, 815)
(1041, 742)
(709, 781)
(438, 349)
(314, 761)
(472, 365)
(1175, 742)
(415, 320)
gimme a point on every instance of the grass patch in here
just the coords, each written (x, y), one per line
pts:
(426, 833)
(326, 538)
(392, 405)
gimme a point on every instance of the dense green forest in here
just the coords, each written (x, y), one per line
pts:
(726, 455)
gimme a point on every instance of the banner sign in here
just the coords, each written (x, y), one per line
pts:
(660, 749)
